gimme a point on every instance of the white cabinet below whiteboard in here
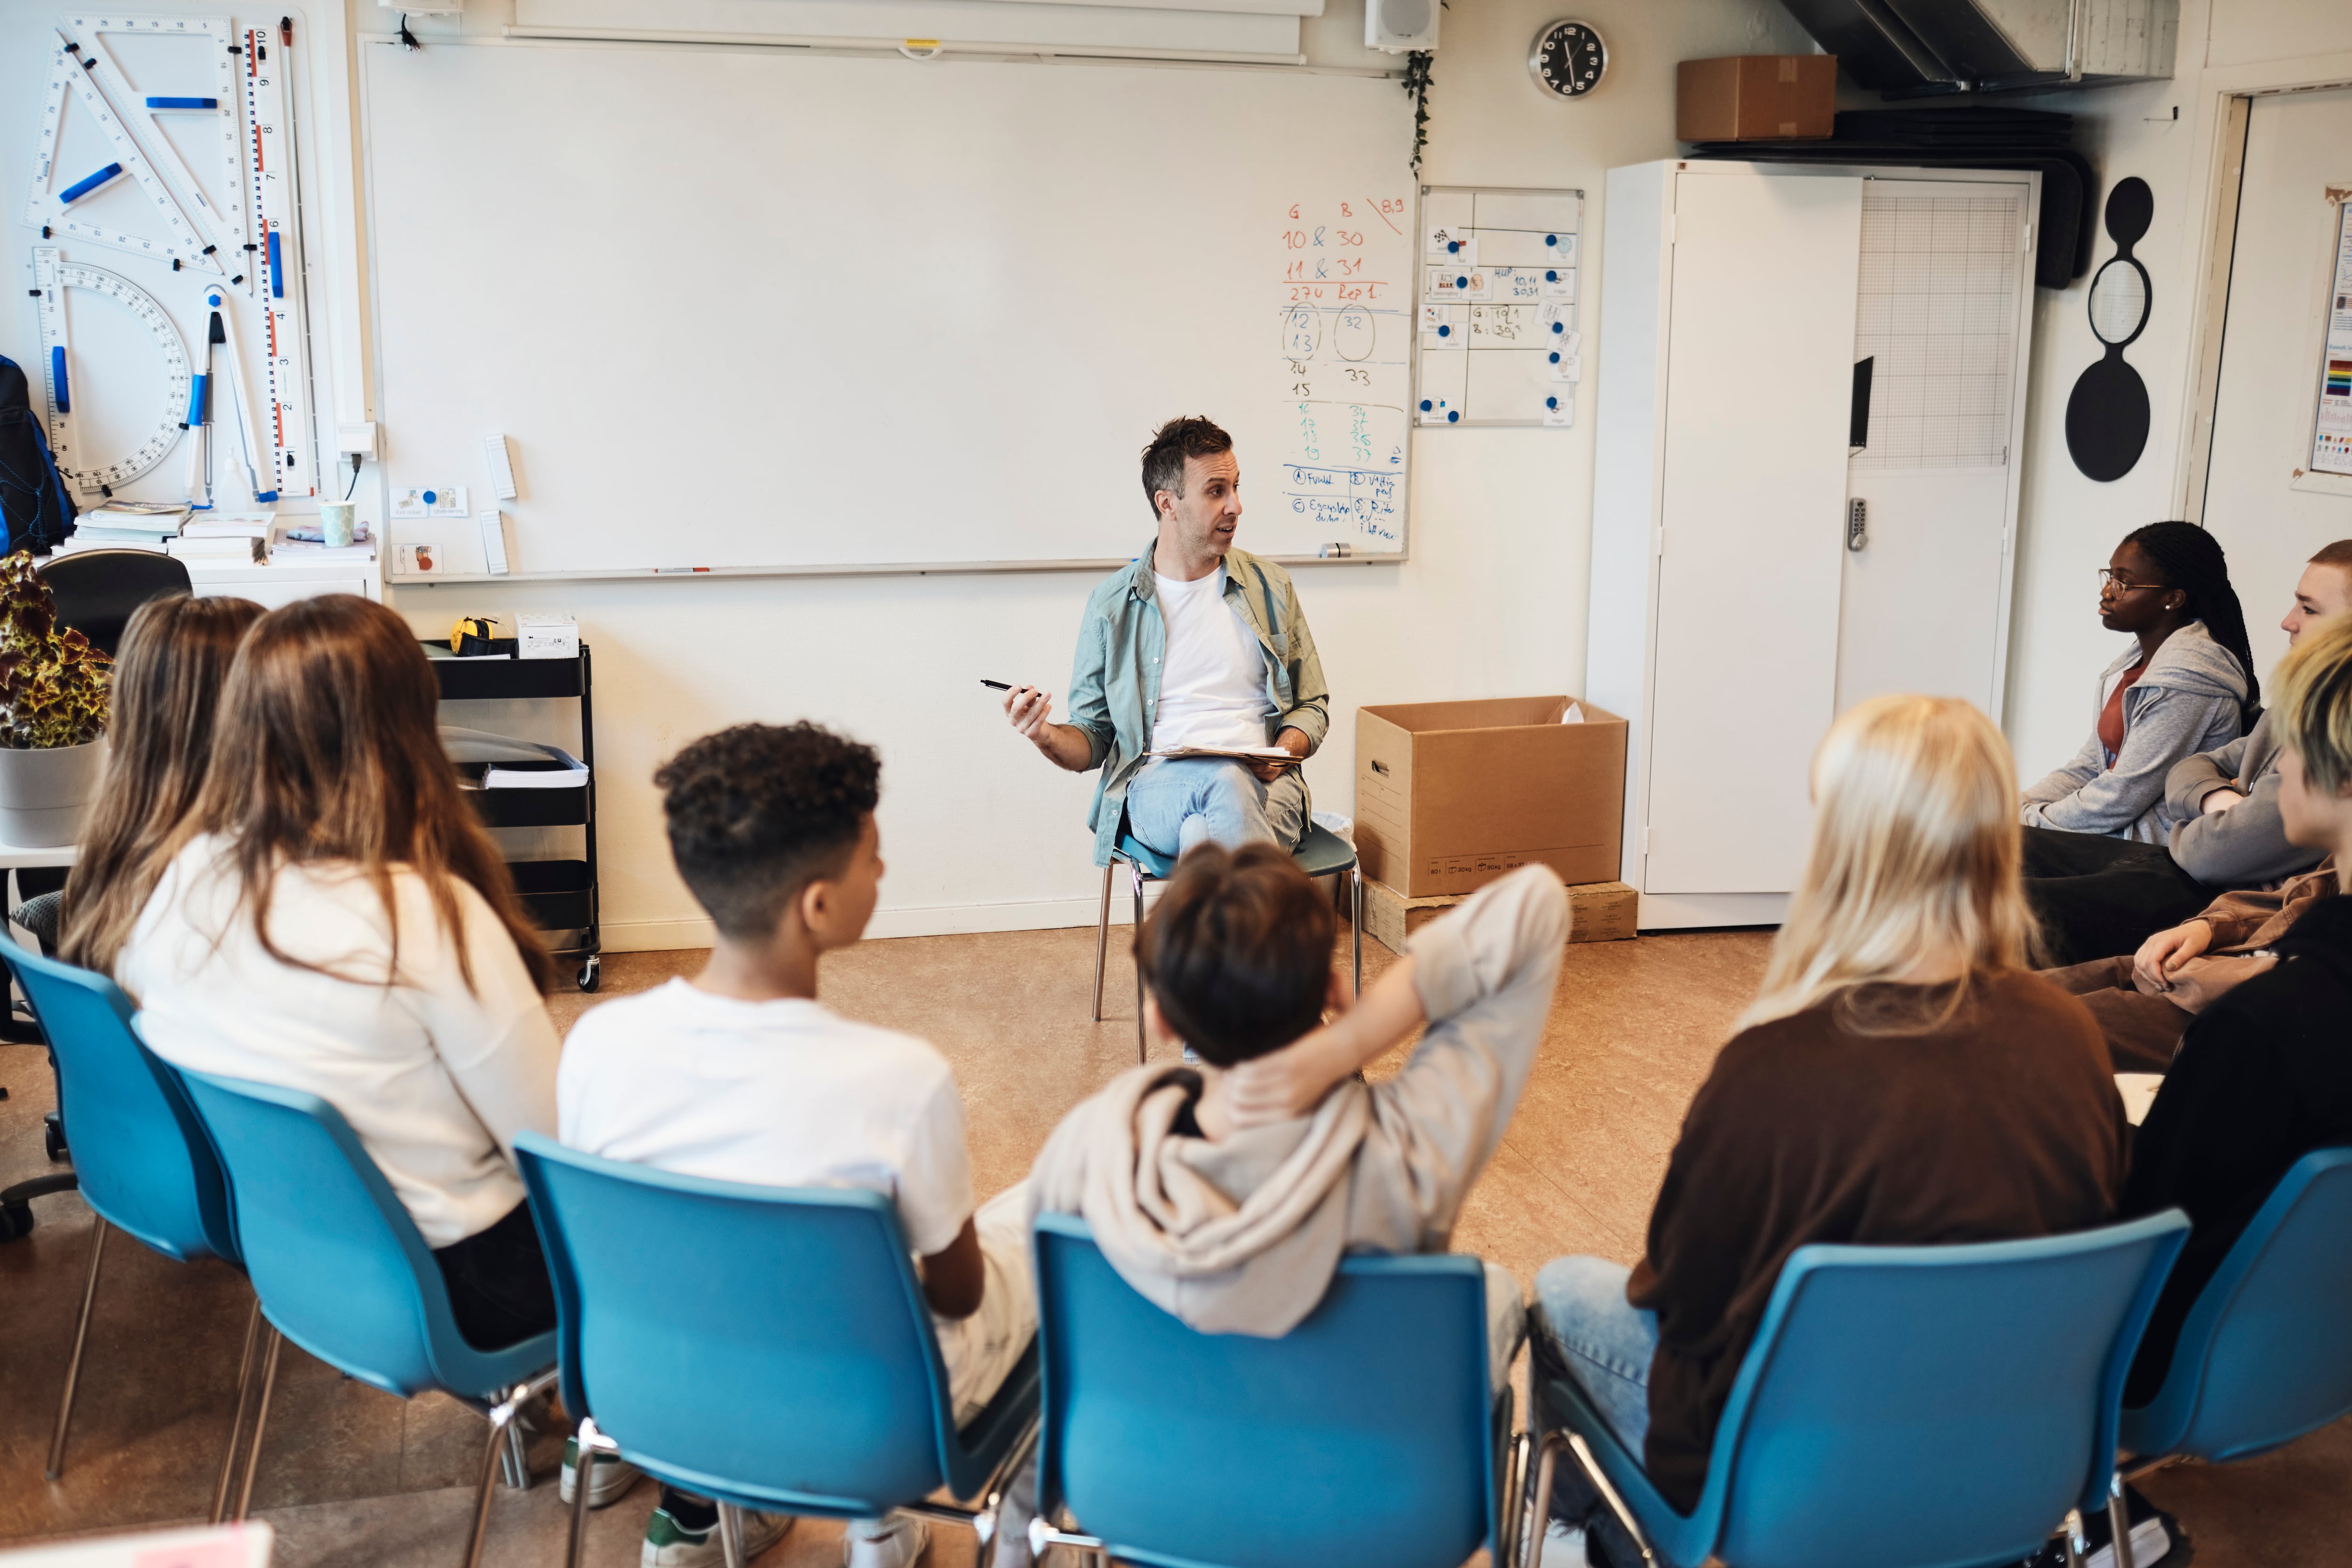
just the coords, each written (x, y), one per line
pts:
(1804, 489)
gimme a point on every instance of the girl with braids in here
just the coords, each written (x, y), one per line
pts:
(2185, 685)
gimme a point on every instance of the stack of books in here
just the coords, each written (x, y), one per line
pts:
(172, 528)
(235, 540)
(139, 524)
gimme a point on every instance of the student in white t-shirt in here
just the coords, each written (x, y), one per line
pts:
(740, 1075)
(331, 918)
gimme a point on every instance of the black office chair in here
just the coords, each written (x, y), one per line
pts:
(97, 590)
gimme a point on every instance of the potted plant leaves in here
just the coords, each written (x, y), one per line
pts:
(53, 710)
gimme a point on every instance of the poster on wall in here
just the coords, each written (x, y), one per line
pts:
(2331, 436)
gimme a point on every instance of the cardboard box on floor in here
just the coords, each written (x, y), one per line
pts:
(1450, 795)
(1755, 98)
(1597, 912)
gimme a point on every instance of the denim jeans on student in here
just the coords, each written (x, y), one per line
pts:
(1178, 802)
(1582, 1326)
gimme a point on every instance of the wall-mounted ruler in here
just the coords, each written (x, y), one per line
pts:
(271, 184)
(212, 50)
(52, 276)
(49, 204)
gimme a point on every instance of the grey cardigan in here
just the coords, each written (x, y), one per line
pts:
(2187, 702)
(2246, 846)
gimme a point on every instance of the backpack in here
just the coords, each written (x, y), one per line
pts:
(36, 510)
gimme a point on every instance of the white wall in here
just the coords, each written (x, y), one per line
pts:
(979, 832)
(2071, 523)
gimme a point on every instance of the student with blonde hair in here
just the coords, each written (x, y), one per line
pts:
(334, 918)
(175, 656)
(1903, 1077)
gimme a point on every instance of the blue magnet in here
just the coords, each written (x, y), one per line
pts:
(184, 103)
(1453, 247)
(1551, 276)
(81, 188)
(431, 497)
(58, 379)
(1551, 403)
(1560, 326)
(1452, 415)
(1551, 239)
(1424, 402)
(1445, 332)
(276, 276)
(1555, 357)
(1461, 282)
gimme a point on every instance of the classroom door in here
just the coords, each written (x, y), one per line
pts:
(2262, 500)
(1939, 307)
(1759, 369)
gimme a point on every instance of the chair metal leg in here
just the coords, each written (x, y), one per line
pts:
(1142, 1052)
(2072, 1542)
(237, 1422)
(731, 1535)
(2119, 1523)
(1511, 1517)
(501, 1448)
(1539, 1496)
(592, 1443)
(1356, 923)
(260, 1421)
(98, 1228)
(1102, 942)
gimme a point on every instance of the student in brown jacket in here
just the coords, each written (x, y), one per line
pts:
(1902, 1078)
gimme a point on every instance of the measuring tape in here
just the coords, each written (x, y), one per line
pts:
(181, 244)
(278, 270)
(52, 276)
(224, 220)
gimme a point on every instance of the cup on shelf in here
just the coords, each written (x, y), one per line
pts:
(335, 520)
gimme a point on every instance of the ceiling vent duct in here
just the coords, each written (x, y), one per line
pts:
(1919, 49)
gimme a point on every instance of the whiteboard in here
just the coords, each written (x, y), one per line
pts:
(764, 312)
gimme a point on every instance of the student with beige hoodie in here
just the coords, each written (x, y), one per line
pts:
(1227, 1192)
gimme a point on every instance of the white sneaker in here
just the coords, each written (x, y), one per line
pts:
(608, 1482)
(1562, 1547)
(904, 1541)
(669, 1544)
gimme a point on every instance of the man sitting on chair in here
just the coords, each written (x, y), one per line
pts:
(1195, 644)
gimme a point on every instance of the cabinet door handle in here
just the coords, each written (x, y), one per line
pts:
(1857, 524)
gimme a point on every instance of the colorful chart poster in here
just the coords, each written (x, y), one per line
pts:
(2331, 437)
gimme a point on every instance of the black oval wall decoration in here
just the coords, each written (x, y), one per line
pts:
(2106, 417)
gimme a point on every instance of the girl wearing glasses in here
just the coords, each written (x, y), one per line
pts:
(2185, 684)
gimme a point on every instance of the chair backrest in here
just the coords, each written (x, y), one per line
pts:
(1365, 1436)
(2266, 1352)
(339, 1266)
(1978, 1384)
(97, 590)
(792, 1363)
(139, 1153)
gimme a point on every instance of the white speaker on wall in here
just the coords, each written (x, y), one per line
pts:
(1397, 26)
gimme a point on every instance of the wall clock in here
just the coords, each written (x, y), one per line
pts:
(1568, 58)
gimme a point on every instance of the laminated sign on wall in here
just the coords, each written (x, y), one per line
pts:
(2331, 435)
(1499, 343)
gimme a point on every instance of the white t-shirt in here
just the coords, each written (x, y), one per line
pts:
(781, 1094)
(1212, 690)
(437, 1078)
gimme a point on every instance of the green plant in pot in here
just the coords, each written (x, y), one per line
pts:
(53, 711)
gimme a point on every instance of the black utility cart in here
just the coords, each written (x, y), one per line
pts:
(560, 895)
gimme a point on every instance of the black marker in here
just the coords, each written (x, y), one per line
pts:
(994, 685)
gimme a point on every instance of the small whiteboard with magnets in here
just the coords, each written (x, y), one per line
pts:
(1498, 273)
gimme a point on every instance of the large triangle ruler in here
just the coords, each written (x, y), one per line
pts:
(206, 85)
(49, 204)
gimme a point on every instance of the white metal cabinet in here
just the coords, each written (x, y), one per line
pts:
(1730, 620)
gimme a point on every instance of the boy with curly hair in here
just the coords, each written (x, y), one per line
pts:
(741, 1075)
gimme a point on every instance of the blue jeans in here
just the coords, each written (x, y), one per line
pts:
(1582, 1328)
(1178, 802)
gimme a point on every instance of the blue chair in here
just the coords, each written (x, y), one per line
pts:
(2266, 1352)
(1902, 1407)
(342, 1272)
(1322, 853)
(794, 1370)
(142, 1160)
(1370, 1435)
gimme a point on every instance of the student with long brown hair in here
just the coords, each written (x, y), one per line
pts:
(175, 656)
(334, 918)
(1904, 1077)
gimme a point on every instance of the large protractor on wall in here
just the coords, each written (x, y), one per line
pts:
(102, 462)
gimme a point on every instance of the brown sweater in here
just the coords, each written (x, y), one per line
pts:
(2250, 919)
(2004, 1125)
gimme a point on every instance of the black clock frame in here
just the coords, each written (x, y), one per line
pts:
(1538, 51)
